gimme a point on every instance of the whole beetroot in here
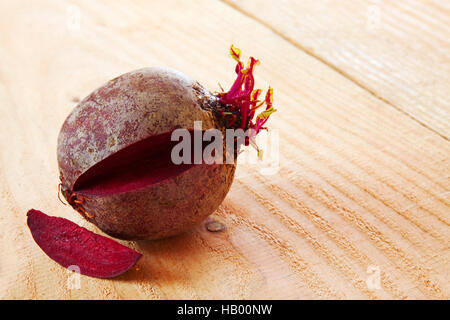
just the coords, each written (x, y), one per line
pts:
(114, 150)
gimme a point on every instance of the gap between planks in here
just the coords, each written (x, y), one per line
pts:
(330, 65)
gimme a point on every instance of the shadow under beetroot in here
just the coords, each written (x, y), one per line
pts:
(163, 260)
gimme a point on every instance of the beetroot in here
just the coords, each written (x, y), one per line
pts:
(114, 150)
(69, 244)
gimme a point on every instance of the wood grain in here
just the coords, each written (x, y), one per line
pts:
(364, 172)
(399, 51)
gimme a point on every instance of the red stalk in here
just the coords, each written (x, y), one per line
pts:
(243, 98)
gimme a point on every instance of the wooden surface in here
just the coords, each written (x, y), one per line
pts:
(361, 89)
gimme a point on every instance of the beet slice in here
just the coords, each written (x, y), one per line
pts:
(69, 244)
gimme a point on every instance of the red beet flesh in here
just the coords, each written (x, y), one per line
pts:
(138, 165)
(69, 244)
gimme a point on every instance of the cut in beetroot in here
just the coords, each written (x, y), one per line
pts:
(71, 245)
(138, 165)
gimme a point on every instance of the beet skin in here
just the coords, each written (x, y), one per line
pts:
(71, 245)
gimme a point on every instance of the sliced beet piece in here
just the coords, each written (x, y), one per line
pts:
(69, 244)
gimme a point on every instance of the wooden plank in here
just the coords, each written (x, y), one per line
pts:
(397, 50)
(361, 186)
